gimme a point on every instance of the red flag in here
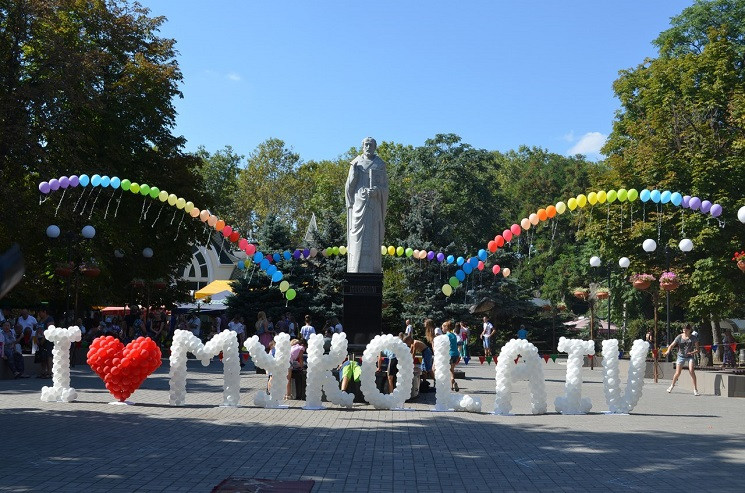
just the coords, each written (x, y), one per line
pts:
(245, 356)
(733, 346)
(590, 356)
(482, 359)
(654, 352)
(708, 347)
(546, 357)
(219, 356)
(517, 359)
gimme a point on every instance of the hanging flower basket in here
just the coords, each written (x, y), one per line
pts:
(641, 281)
(65, 269)
(602, 295)
(739, 257)
(581, 293)
(90, 271)
(561, 307)
(741, 265)
(669, 281)
(670, 285)
(642, 285)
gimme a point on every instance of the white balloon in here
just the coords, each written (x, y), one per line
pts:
(319, 377)
(572, 401)
(60, 391)
(595, 261)
(624, 262)
(277, 365)
(741, 214)
(396, 399)
(617, 403)
(649, 245)
(685, 245)
(530, 369)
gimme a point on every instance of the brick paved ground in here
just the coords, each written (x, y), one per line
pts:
(674, 442)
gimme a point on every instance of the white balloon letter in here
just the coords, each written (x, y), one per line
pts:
(278, 366)
(186, 342)
(60, 391)
(319, 372)
(444, 399)
(618, 404)
(572, 401)
(396, 399)
(531, 368)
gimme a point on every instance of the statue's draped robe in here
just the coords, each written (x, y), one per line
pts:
(366, 217)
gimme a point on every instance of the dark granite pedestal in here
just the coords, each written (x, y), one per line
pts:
(363, 307)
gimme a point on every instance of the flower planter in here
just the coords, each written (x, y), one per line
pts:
(579, 294)
(91, 271)
(669, 286)
(602, 295)
(642, 285)
(741, 265)
(63, 271)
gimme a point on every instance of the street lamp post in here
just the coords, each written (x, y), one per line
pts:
(88, 232)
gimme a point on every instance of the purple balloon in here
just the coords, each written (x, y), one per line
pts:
(716, 210)
(440, 257)
(686, 200)
(705, 206)
(306, 253)
(694, 203)
(430, 255)
(54, 184)
(296, 254)
(74, 181)
(64, 182)
(44, 187)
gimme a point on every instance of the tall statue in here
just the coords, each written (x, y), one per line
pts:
(367, 199)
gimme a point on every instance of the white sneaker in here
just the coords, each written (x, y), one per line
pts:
(669, 389)
(695, 392)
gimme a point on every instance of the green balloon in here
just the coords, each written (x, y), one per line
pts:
(611, 196)
(154, 191)
(126, 184)
(336, 250)
(454, 282)
(144, 189)
(400, 251)
(623, 194)
(290, 294)
(329, 251)
(632, 195)
(409, 252)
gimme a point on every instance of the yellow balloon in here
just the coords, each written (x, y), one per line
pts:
(134, 188)
(383, 250)
(163, 196)
(172, 199)
(284, 286)
(601, 197)
(592, 198)
(561, 207)
(581, 200)
(180, 203)
(391, 250)
(525, 223)
(343, 250)
(189, 206)
(447, 289)
(572, 203)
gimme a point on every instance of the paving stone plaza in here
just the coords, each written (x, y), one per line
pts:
(671, 442)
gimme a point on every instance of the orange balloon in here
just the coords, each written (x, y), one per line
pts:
(542, 214)
(219, 225)
(550, 211)
(194, 212)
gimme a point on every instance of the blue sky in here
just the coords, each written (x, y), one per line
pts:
(322, 75)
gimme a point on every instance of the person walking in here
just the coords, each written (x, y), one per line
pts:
(447, 328)
(486, 336)
(688, 347)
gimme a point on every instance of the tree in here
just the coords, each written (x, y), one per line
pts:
(219, 172)
(267, 186)
(88, 87)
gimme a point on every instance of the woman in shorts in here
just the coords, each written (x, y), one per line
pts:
(688, 347)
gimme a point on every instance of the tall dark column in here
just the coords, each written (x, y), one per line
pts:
(363, 307)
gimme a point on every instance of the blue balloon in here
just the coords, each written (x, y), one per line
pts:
(644, 195)
(474, 261)
(467, 268)
(277, 276)
(460, 275)
(665, 197)
(241, 264)
(450, 259)
(287, 255)
(84, 180)
(276, 257)
(460, 261)
(655, 196)
(258, 257)
(271, 270)
(676, 199)
(95, 180)
(105, 181)
(115, 182)
(482, 254)
(264, 264)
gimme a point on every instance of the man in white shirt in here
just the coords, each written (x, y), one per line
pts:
(307, 330)
(195, 325)
(409, 331)
(486, 335)
(27, 321)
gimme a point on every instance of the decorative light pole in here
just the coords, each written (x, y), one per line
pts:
(73, 266)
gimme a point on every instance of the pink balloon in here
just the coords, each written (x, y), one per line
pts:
(243, 244)
(481, 265)
(251, 249)
(495, 270)
(515, 228)
(226, 231)
(507, 234)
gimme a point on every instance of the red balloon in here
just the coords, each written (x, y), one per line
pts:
(481, 265)
(500, 241)
(123, 369)
(234, 236)
(251, 249)
(492, 246)
(495, 269)
(507, 235)
(515, 229)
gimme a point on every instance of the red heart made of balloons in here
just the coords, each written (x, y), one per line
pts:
(123, 369)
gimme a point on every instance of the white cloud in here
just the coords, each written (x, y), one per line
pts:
(233, 76)
(588, 144)
(569, 137)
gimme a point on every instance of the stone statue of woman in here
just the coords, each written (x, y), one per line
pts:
(366, 199)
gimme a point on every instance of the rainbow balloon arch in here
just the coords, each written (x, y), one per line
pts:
(466, 265)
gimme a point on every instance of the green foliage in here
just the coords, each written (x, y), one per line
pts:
(219, 172)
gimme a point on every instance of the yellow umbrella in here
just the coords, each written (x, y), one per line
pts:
(213, 288)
